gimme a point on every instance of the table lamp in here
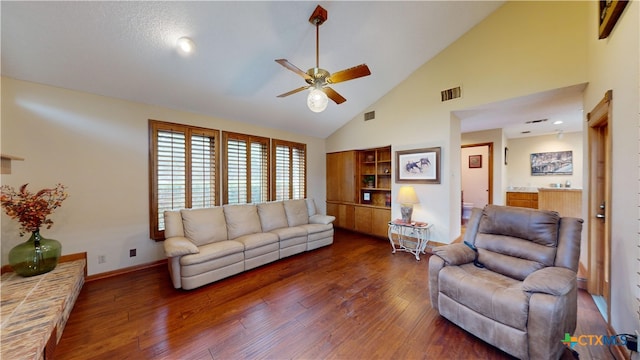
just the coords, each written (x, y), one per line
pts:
(407, 197)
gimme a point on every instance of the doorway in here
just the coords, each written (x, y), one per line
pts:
(476, 177)
(599, 211)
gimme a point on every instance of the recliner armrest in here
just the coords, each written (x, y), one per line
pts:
(455, 254)
(178, 246)
(321, 219)
(556, 281)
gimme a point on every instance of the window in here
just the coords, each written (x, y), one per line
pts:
(246, 167)
(289, 170)
(183, 170)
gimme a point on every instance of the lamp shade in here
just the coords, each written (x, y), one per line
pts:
(407, 195)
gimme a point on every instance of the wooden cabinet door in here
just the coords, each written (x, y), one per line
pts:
(522, 199)
(363, 219)
(346, 215)
(380, 222)
(341, 176)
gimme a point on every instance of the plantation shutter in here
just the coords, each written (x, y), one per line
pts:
(183, 170)
(246, 168)
(203, 170)
(259, 171)
(282, 172)
(171, 172)
(289, 169)
(299, 172)
(236, 172)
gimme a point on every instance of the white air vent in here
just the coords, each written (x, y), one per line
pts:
(369, 115)
(451, 94)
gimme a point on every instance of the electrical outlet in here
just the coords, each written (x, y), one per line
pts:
(132, 252)
(102, 259)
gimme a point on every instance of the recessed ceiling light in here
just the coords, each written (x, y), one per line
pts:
(185, 45)
(558, 122)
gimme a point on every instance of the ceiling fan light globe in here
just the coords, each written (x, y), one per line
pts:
(317, 100)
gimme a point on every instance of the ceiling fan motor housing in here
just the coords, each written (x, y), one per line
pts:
(318, 76)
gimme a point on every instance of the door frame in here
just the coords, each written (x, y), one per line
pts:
(489, 165)
(599, 247)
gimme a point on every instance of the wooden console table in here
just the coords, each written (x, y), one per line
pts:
(34, 310)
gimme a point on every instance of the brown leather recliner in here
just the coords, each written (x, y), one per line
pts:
(521, 295)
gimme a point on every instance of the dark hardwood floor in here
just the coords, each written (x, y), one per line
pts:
(351, 300)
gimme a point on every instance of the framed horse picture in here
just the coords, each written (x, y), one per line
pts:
(418, 166)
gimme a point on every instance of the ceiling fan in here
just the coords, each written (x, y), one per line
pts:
(317, 78)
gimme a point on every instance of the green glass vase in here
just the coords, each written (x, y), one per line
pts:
(35, 256)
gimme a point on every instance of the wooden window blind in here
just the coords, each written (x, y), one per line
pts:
(289, 170)
(246, 161)
(183, 170)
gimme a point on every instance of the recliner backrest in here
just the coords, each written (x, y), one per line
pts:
(517, 241)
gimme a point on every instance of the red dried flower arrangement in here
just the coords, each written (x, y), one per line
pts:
(31, 209)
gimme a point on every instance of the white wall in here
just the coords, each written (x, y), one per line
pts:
(519, 167)
(614, 63)
(492, 64)
(99, 147)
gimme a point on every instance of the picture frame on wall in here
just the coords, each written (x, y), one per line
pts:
(475, 161)
(608, 15)
(418, 166)
(552, 163)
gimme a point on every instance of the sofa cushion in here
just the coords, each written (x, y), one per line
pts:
(173, 224)
(241, 220)
(311, 207)
(272, 215)
(208, 252)
(316, 228)
(203, 226)
(297, 212)
(290, 232)
(486, 292)
(257, 240)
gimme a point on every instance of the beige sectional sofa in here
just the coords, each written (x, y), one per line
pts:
(206, 245)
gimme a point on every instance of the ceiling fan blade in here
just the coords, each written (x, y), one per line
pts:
(349, 74)
(333, 95)
(294, 91)
(295, 69)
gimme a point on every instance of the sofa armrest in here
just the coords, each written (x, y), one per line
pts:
(557, 281)
(455, 254)
(321, 219)
(178, 246)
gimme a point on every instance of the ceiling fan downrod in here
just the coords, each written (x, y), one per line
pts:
(318, 17)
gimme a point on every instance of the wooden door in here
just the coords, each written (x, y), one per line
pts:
(599, 211)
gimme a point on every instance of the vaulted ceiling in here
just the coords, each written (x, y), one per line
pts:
(127, 50)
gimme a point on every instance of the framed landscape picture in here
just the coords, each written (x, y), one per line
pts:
(552, 163)
(418, 166)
